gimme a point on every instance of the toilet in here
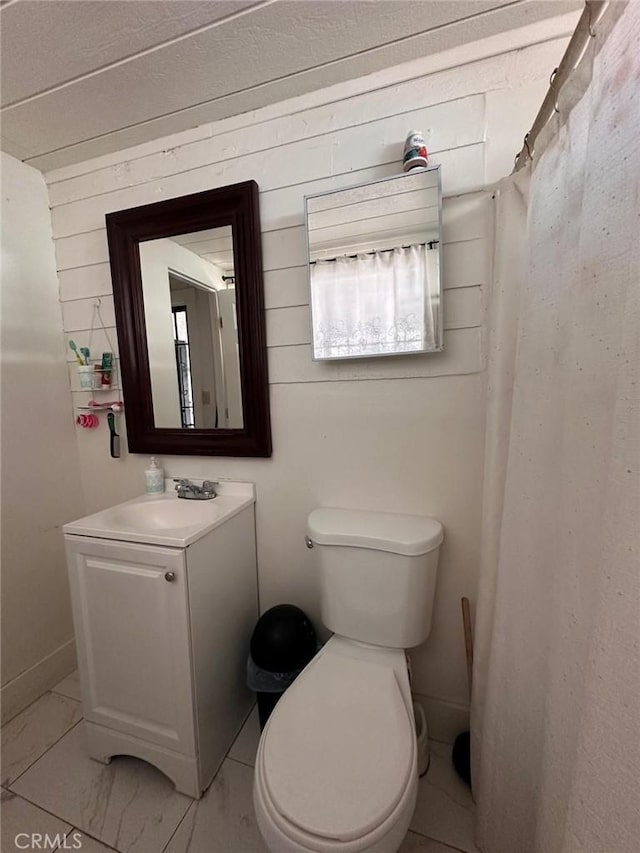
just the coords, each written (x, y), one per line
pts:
(336, 769)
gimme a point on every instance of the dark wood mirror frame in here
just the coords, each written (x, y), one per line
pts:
(235, 205)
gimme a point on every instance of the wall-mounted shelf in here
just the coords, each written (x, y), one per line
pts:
(88, 417)
(90, 377)
(115, 407)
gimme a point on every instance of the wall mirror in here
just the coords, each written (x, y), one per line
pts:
(188, 292)
(375, 267)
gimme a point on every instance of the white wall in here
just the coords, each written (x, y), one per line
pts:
(402, 434)
(41, 487)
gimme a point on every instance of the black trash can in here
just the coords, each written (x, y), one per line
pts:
(282, 644)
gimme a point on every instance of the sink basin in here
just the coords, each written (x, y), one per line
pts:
(162, 514)
(165, 519)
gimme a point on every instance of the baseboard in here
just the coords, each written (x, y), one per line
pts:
(445, 720)
(33, 682)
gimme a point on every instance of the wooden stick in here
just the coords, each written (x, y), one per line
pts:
(468, 640)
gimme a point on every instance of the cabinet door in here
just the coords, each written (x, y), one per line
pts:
(130, 610)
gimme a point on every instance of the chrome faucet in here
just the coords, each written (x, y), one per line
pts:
(188, 490)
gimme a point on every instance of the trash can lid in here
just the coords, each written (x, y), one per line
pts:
(283, 640)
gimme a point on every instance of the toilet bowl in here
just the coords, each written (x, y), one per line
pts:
(336, 768)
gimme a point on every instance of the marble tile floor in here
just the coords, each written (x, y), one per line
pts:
(50, 786)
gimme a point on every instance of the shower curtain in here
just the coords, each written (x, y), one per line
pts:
(556, 704)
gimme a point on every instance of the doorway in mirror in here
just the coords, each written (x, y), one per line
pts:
(189, 294)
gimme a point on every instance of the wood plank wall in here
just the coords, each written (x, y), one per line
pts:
(343, 432)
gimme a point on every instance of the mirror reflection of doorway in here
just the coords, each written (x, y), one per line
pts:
(229, 346)
(189, 292)
(183, 364)
(202, 386)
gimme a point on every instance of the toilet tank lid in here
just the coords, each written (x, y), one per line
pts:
(409, 535)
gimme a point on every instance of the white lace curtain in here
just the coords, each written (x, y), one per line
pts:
(375, 303)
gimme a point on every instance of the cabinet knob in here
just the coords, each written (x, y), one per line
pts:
(170, 576)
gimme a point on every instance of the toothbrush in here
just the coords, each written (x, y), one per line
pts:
(79, 358)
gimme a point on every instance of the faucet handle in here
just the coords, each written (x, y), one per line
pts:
(210, 486)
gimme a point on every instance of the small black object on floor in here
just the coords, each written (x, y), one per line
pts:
(461, 756)
(282, 644)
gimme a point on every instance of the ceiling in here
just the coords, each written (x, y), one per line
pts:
(81, 78)
(213, 244)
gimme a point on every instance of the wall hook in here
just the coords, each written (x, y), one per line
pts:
(551, 80)
(590, 23)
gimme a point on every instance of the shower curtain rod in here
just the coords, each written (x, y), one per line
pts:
(591, 14)
(430, 244)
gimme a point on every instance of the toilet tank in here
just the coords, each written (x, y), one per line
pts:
(377, 574)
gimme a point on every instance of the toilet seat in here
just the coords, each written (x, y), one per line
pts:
(337, 757)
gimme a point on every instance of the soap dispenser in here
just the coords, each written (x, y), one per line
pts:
(154, 475)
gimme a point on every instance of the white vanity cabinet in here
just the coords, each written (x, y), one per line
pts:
(162, 636)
